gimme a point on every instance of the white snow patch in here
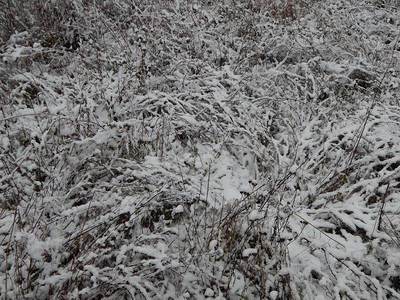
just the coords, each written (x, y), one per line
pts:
(256, 215)
(213, 245)
(209, 292)
(237, 282)
(249, 251)
(273, 295)
(332, 67)
(179, 209)
(6, 142)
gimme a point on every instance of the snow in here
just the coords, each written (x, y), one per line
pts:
(332, 67)
(256, 215)
(209, 292)
(249, 251)
(179, 209)
(237, 282)
(180, 150)
(213, 245)
(273, 295)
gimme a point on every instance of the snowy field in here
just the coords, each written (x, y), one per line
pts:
(231, 149)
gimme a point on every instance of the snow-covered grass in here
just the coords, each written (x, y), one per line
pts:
(236, 149)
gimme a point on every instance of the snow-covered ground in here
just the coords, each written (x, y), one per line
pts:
(235, 149)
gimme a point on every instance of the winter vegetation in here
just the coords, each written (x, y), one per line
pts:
(194, 149)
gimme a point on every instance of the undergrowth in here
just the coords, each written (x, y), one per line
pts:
(192, 150)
